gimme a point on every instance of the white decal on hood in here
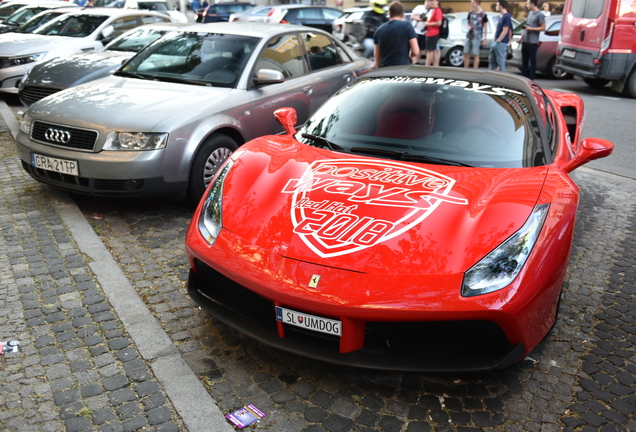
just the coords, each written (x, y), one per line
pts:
(336, 203)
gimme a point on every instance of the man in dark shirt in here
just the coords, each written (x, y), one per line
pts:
(502, 38)
(395, 40)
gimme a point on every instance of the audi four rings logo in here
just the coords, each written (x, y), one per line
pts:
(57, 135)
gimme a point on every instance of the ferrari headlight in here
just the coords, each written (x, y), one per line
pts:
(135, 141)
(210, 219)
(21, 60)
(501, 266)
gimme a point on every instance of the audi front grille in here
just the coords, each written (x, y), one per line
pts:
(62, 136)
(30, 94)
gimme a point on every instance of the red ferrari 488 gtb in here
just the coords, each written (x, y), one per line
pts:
(420, 220)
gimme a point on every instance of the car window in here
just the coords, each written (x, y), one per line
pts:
(153, 6)
(23, 15)
(136, 40)
(73, 25)
(309, 13)
(331, 13)
(38, 21)
(123, 24)
(321, 51)
(193, 58)
(555, 26)
(149, 19)
(589, 9)
(472, 123)
(283, 54)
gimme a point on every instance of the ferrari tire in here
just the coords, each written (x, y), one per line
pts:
(554, 72)
(455, 56)
(208, 159)
(595, 82)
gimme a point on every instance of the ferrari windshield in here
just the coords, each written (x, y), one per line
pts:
(193, 58)
(431, 120)
(72, 25)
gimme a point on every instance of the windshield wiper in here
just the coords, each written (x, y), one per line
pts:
(434, 160)
(180, 80)
(323, 141)
(406, 156)
(130, 75)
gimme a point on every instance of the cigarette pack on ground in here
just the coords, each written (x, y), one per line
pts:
(246, 416)
(9, 347)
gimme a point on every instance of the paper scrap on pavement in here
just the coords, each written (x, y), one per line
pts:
(245, 416)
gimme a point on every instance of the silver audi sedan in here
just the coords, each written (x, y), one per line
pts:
(168, 118)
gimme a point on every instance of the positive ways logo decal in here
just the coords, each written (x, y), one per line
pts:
(344, 206)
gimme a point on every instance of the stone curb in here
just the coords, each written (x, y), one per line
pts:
(194, 404)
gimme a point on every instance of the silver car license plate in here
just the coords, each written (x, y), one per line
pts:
(309, 322)
(569, 53)
(64, 166)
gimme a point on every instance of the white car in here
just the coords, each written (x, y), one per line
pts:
(452, 48)
(163, 6)
(83, 31)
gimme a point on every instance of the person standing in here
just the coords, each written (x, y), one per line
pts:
(395, 40)
(535, 24)
(433, 24)
(545, 8)
(373, 19)
(477, 32)
(503, 33)
(418, 18)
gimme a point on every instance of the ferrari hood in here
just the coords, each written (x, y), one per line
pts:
(373, 215)
(109, 102)
(76, 69)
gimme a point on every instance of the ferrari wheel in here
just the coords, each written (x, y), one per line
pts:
(455, 56)
(554, 72)
(208, 159)
(595, 82)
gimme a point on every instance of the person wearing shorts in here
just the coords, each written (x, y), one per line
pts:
(477, 32)
(433, 24)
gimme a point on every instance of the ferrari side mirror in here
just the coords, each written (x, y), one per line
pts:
(589, 150)
(287, 118)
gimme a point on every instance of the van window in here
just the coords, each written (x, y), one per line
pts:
(589, 9)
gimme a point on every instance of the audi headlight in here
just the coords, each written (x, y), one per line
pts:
(210, 219)
(21, 60)
(135, 141)
(501, 266)
(25, 125)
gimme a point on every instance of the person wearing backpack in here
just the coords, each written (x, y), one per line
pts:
(477, 32)
(433, 24)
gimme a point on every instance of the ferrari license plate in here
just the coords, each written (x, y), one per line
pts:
(309, 322)
(569, 53)
(64, 166)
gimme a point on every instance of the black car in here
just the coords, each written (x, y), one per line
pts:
(312, 16)
(221, 12)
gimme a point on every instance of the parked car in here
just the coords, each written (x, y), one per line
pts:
(16, 19)
(43, 18)
(163, 123)
(597, 43)
(420, 220)
(220, 12)
(83, 30)
(546, 52)
(312, 16)
(60, 73)
(254, 14)
(349, 27)
(162, 6)
(452, 48)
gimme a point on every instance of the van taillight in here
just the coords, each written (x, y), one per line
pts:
(608, 39)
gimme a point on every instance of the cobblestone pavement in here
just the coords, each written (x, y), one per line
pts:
(581, 378)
